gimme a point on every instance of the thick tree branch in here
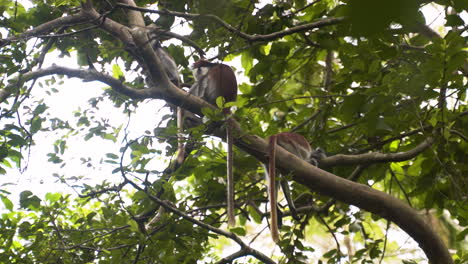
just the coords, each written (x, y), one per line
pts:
(112, 27)
(135, 18)
(248, 37)
(152, 61)
(360, 195)
(306, 209)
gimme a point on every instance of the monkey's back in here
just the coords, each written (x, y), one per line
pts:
(223, 77)
(296, 144)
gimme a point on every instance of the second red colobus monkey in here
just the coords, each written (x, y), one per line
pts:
(167, 62)
(213, 80)
(299, 146)
(170, 68)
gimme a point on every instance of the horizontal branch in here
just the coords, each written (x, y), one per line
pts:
(375, 157)
(267, 37)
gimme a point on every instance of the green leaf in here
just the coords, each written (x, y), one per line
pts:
(53, 197)
(254, 214)
(40, 109)
(245, 88)
(454, 20)
(246, 61)
(238, 231)
(220, 101)
(462, 235)
(112, 156)
(280, 49)
(29, 201)
(330, 253)
(394, 145)
(7, 202)
(36, 125)
(117, 72)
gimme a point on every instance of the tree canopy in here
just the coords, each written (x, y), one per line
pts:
(375, 84)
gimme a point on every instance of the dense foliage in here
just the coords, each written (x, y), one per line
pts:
(373, 83)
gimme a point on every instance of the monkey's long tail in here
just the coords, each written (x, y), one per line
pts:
(180, 135)
(272, 194)
(230, 176)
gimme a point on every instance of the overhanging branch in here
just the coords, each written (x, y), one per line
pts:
(251, 38)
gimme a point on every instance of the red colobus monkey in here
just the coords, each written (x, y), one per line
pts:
(211, 81)
(214, 80)
(297, 145)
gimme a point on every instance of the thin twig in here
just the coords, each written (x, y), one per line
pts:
(303, 97)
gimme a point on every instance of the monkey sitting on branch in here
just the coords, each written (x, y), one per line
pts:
(297, 145)
(213, 80)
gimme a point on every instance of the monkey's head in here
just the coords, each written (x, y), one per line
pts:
(203, 63)
(200, 68)
(317, 155)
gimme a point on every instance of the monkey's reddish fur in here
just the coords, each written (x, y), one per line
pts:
(297, 145)
(220, 76)
(215, 80)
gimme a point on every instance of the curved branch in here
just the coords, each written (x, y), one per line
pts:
(409, 133)
(85, 75)
(334, 130)
(460, 134)
(376, 157)
(244, 252)
(267, 37)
